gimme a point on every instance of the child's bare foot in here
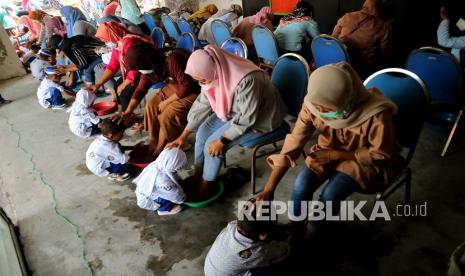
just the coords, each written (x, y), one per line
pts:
(176, 209)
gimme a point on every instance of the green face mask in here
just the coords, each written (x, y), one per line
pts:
(333, 115)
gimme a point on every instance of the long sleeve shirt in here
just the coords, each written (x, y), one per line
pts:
(445, 40)
(291, 36)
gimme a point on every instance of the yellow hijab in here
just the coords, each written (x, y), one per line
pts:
(205, 12)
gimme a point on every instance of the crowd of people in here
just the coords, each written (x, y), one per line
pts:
(225, 100)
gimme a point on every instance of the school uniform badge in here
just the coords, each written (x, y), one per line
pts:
(245, 254)
(110, 158)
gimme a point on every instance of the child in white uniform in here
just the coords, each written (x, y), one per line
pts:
(39, 64)
(105, 156)
(243, 247)
(157, 186)
(83, 120)
(49, 91)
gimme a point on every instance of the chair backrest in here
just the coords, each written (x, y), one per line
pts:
(149, 21)
(235, 46)
(186, 41)
(265, 44)
(170, 27)
(440, 71)
(290, 76)
(185, 27)
(220, 31)
(328, 50)
(158, 36)
(411, 96)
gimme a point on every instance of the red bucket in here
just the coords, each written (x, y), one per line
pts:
(104, 108)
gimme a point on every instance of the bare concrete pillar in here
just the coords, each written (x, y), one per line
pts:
(10, 66)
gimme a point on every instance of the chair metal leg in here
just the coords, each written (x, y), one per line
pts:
(452, 133)
(408, 185)
(254, 159)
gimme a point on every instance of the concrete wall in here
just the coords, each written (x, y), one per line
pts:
(10, 66)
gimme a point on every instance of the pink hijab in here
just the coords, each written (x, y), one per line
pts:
(263, 17)
(224, 70)
(33, 26)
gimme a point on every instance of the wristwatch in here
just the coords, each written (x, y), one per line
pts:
(224, 140)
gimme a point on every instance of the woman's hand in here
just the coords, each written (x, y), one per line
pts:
(216, 148)
(264, 195)
(443, 13)
(92, 88)
(122, 117)
(327, 156)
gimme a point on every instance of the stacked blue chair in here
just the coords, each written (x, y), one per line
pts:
(328, 50)
(290, 76)
(220, 32)
(266, 45)
(442, 75)
(185, 27)
(235, 46)
(410, 94)
(186, 41)
(158, 36)
(149, 21)
(171, 28)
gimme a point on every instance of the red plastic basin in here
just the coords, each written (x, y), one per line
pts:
(104, 108)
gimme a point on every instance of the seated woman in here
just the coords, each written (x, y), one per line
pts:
(183, 12)
(80, 50)
(229, 16)
(198, 18)
(451, 36)
(356, 146)
(33, 29)
(367, 36)
(296, 30)
(120, 40)
(76, 22)
(237, 103)
(50, 25)
(130, 10)
(244, 29)
(127, 24)
(165, 115)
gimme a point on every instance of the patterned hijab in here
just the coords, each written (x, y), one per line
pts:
(303, 11)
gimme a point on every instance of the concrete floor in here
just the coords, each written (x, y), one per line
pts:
(117, 238)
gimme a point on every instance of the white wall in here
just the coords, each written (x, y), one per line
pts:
(10, 66)
(221, 4)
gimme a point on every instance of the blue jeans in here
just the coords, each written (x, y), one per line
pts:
(89, 72)
(56, 98)
(339, 187)
(118, 169)
(213, 128)
(165, 205)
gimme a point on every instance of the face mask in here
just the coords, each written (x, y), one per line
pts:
(335, 115)
(145, 72)
(110, 45)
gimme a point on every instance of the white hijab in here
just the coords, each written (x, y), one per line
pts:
(159, 179)
(81, 105)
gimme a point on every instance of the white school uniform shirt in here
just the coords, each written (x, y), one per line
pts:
(233, 254)
(37, 68)
(102, 151)
(44, 91)
(158, 180)
(81, 116)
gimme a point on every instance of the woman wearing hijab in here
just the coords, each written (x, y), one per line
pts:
(367, 36)
(198, 18)
(76, 22)
(50, 25)
(244, 29)
(119, 39)
(356, 146)
(33, 28)
(165, 115)
(229, 16)
(131, 11)
(237, 103)
(296, 30)
(80, 50)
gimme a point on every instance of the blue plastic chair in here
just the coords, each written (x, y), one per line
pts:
(410, 94)
(149, 21)
(266, 45)
(171, 28)
(328, 50)
(186, 41)
(290, 77)
(235, 46)
(185, 27)
(158, 36)
(220, 32)
(442, 74)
